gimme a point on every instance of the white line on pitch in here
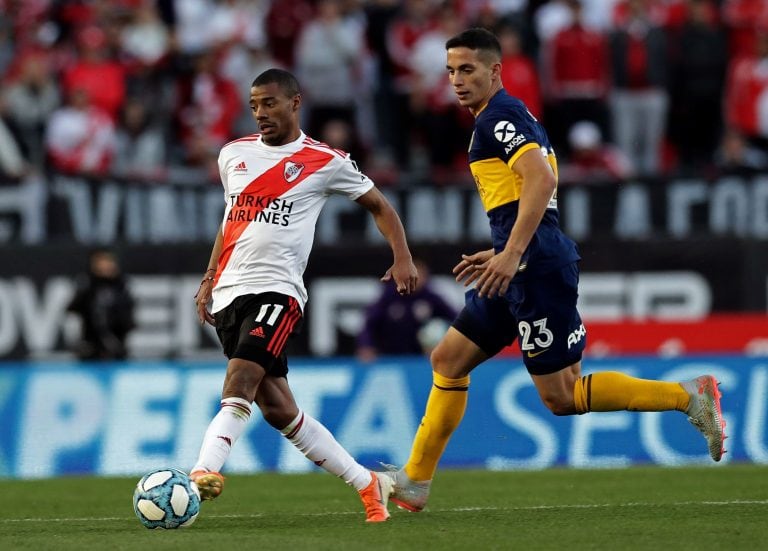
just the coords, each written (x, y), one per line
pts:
(451, 510)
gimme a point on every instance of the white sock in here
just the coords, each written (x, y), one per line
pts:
(318, 445)
(223, 431)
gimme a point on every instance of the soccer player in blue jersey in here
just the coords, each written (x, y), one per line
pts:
(525, 287)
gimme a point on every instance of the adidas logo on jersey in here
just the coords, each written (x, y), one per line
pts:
(258, 332)
(240, 167)
(292, 171)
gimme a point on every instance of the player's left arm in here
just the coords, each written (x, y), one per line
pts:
(403, 271)
(539, 184)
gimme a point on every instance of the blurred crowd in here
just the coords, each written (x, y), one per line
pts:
(151, 89)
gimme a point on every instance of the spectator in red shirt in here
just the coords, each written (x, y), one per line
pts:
(747, 93)
(518, 73)
(413, 21)
(94, 72)
(444, 127)
(577, 70)
(743, 18)
(283, 25)
(207, 103)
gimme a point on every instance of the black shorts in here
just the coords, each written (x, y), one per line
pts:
(539, 311)
(256, 328)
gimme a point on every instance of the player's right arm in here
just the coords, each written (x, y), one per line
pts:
(539, 184)
(203, 296)
(205, 292)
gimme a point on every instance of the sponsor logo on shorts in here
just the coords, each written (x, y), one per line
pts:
(534, 354)
(258, 332)
(576, 336)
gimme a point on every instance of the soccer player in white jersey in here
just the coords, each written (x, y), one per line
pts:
(275, 184)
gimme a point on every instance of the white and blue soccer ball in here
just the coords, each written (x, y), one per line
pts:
(166, 498)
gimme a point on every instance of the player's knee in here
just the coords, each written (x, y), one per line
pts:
(272, 416)
(438, 359)
(243, 378)
(445, 364)
(276, 415)
(559, 405)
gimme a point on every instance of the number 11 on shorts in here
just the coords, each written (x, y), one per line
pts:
(276, 309)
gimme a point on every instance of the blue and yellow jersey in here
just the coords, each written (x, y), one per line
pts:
(504, 130)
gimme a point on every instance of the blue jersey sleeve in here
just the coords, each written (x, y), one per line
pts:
(505, 131)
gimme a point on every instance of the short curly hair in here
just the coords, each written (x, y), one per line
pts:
(288, 83)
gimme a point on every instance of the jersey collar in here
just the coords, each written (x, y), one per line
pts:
(289, 145)
(501, 91)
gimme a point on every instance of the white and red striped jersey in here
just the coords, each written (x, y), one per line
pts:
(274, 195)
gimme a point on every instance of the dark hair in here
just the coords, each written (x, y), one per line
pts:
(285, 80)
(101, 251)
(476, 39)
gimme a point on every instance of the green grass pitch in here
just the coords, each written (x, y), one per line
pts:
(637, 508)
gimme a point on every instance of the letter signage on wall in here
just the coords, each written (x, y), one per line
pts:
(124, 419)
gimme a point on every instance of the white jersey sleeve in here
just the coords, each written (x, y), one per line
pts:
(349, 181)
(223, 161)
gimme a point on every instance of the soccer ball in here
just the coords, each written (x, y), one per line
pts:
(166, 498)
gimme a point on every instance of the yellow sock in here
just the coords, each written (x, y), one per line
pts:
(613, 391)
(445, 409)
